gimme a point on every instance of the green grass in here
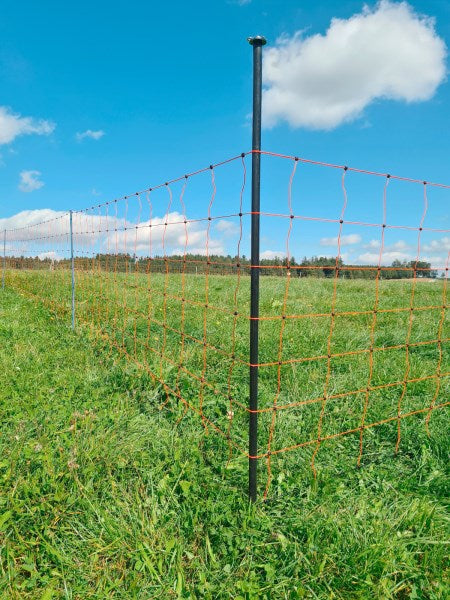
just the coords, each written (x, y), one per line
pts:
(131, 310)
(105, 495)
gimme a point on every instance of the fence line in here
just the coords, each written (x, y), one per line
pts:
(273, 354)
(165, 283)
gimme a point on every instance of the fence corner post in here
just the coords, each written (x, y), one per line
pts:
(257, 42)
(4, 259)
(72, 264)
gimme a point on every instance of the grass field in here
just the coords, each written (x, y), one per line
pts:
(106, 495)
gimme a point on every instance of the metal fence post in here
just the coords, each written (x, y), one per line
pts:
(4, 259)
(73, 270)
(257, 42)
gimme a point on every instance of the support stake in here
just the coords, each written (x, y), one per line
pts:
(73, 270)
(257, 42)
(4, 259)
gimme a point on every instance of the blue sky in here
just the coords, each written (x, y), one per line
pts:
(120, 96)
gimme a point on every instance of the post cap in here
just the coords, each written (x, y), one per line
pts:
(258, 40)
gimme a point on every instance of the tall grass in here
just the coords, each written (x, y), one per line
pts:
(107, 495)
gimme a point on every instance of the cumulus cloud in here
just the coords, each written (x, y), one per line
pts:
(271, 254)
(437, 262)
(26, 218)
(51, 254)
(441, 245)
(36, 233)
(346, 240)
(402, 250)
(389, 255)
(89, 133)
(370, 258)
(26, 231)
(170, 239)
(13, 125)
(373, 244)
(321, 81)
(90, 231)
(227, 227)
(401, 245)
(29, 181)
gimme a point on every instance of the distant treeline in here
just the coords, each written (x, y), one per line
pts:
(316, 266)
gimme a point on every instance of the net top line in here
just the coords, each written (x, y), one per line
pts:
(148, 190)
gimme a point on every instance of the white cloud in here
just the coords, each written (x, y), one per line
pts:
(370, 258)
(271, 254)
(29, 181)
(29, 229)
(346, 240)
(13, 125)
(227, 227)
(27, 218)
(89, 232)
(89, 133)
(26, 231)
(50, 254)
(437, 262)
(442, 245)
(372, 244)
(170, 239)
(401, 250)
(400, 245)
(322, 81)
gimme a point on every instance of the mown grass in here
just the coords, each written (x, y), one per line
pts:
(145, 317)
(105, 495)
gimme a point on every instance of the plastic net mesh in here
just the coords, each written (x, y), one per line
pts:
(353, 326)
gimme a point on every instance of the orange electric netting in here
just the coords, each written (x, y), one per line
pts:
(363, 332)
(353, 325)
(37, 258)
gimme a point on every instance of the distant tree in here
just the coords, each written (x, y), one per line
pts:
(423, 269)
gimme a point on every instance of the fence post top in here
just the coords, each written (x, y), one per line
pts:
(257, 40)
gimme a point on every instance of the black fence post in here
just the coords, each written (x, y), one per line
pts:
(257, 43)
(4, 259)
(72, 268)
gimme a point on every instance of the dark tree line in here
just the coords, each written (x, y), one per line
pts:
(316, 266)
